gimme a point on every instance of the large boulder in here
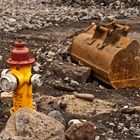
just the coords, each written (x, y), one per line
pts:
(28, 124)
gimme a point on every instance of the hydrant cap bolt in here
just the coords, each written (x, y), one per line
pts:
(20, 55)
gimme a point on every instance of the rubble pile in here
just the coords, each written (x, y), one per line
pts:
(35, 14)
(71, 103)
(68, 95)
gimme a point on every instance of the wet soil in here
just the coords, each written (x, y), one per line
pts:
(54, 38)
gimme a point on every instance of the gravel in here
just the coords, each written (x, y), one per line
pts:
(114, 125)
(36, 14)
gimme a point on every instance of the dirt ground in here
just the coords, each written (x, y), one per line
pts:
(54, 38)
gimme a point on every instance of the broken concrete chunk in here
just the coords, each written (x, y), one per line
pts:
(85, 96)
(77, 73)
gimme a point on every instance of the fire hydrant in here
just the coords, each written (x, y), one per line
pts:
(19, 79)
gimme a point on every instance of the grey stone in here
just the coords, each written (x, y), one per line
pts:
(97, 137)
(1, 57)
(74, 83)
(57, 115)
(77, 73)
(36, 67)
(135, 131)
(101, 87)
(27, 124)
(12, 21)
(51, 55)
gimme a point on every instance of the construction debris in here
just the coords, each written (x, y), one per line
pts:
(61, 20)
(113, 57)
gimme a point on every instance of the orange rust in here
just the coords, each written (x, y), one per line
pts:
(113, 57)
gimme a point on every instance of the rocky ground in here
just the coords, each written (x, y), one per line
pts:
(48, 28)
(35, 14)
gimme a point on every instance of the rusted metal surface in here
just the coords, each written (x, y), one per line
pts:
(113, 57)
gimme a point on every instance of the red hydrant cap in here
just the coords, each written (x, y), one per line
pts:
(20, 55)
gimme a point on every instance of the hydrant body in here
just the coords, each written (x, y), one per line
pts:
(22, 95)
(20, 79)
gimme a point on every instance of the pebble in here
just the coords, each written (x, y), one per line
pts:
(67, 79)
(1, 57)
(57, 115)
(101, 87)
(74, 121)
(74, 83)
(36, 67)
(63, 105)
(12, 21)
(111, 124)
(97, 137)
(51, 54)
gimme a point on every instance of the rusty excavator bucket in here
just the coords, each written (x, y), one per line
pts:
(113, 57)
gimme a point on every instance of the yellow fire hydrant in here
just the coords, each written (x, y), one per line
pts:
(20, 79)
